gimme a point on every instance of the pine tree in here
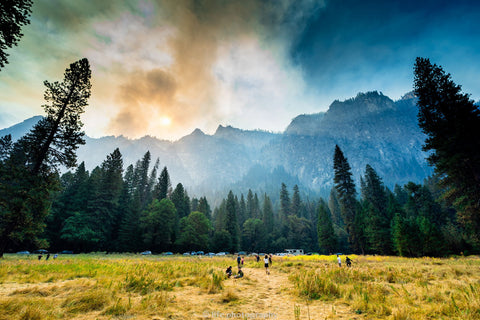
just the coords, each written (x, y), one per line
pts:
(204, 207)
(130, 238)
(28, 175)
(159, 224)
(257, 214)
(378, 221)
(181, 201)
(253, 234)
(142, 193)
(106, 201)
(451, 120)
(299, 232)
(14, 14)
(163, 189)
(268, 214)
(125, 214)
(334, 207)
(194, 204)
(231, 222)
(220, 216)
(242, 211)
(151, 181)
(54, 139)
(249, 205)
(268, 221)
(73, 197)
(346, 192)
(296, 205)
(82, 229)
(327, 240)
(221, 240)
(428, 217)
(284, 210)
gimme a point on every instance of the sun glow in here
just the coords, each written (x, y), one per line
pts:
(165, 121)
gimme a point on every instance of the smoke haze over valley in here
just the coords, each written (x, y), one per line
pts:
(370, 128)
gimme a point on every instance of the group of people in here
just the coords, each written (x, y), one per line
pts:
(40, 256)
(268, 263)
(348, 261)
(241, 260)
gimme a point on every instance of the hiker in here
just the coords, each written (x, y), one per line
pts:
(243, 260)
(229, 271)
(348, 261)
(266, 264)
(55, 256)
(239, 260)
(239, 274)
(257, 257)
(339, 261)
(48, 256)
(40, 257)
(270, 259)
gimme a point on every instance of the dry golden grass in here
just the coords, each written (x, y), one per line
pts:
(307, 287)
(397, 288)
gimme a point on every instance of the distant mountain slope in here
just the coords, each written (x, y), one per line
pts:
(20, 129)
(370, 129)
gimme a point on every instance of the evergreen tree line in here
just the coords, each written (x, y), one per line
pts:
(413, 220)
(112, 210)
(29, 166)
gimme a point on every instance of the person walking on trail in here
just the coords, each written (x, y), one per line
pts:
(339, 260)
(257, 257)
(239, 260)
(348, 261)
(270, 259)
(243, 260)
(266, 260)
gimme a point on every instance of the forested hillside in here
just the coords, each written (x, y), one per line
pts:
(352, 179)
(372, 127)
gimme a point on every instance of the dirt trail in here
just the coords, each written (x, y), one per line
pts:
(273, 296)
(260, 296)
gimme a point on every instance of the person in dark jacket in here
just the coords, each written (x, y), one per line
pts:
(229, 271)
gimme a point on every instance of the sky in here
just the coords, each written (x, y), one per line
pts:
(165, 68)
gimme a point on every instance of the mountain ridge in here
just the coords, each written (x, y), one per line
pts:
(370, 129)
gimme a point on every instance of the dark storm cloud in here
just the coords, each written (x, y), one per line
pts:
(352, 42)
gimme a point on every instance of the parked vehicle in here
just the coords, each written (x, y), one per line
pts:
(23, 252)
(167, 253)
(66, 252)
(199, 253)
(146, 252)
(41, 251)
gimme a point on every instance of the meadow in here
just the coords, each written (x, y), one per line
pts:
(98, 286)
